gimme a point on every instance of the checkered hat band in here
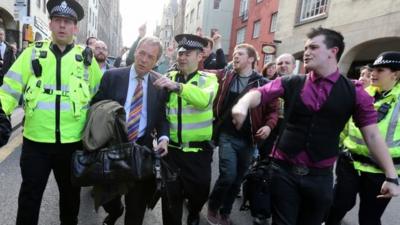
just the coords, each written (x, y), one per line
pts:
(386, 62)
(64, 10)
(190, 43)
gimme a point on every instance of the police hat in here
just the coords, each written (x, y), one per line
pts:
(190, 42)
(65, 8)
(389, 60)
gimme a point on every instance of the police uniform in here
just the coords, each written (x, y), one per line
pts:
(357, 172)
(56, 87)
(189, 113)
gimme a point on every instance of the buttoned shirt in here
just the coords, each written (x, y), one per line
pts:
(314, 94)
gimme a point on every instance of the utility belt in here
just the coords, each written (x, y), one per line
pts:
(365, 159)
(301, 170)
(204, 145)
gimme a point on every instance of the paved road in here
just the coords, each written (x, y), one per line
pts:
(10, 182)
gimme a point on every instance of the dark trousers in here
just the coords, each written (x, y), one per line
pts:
(37, 161)
(349, 183)
(234, 161)
(193, 183)
(135, 202)
(299, 199)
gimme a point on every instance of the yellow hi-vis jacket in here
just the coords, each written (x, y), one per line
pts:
(189, 112)
(389, 128)
(55, 100)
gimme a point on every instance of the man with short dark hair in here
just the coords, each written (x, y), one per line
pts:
(317, 106)
(90, 42)
(190, 115)
(213, 61)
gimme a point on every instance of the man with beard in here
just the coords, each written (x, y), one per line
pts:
(101, 54)
(236, 146)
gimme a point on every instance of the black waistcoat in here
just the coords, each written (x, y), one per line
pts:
(316, 132)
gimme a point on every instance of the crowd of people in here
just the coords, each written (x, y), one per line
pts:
(301, 123)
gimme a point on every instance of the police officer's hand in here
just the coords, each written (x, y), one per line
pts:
(5, 128)
(239, 113)
(263, 132)
(165, 82)
(389, 190)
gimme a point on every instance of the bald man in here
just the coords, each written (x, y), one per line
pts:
(285, 64)
(101, 54)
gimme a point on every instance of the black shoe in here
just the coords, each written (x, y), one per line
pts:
(112, 218)
(193, 219)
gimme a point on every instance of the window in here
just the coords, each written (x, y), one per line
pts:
(311, 9)
(216, 4)
(272, 28)
(198, 10)
(243, 11)
(240, 35)
(256, 29)
(38, 3)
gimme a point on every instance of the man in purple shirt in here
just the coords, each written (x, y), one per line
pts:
(302, 179)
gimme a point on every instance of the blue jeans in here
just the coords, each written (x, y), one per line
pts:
(234, 160)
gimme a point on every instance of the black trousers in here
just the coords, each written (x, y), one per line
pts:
(349, 183)
(135, 202)
(37, 161)
(193, 183)
(299, 199)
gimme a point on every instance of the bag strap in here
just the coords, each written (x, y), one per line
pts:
(297, 90)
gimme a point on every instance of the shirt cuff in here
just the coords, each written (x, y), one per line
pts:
(164, 137)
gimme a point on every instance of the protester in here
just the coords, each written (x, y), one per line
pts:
(269, 71)
(101, 54)
(302, 179)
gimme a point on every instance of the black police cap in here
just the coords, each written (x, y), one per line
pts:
(389, 60)
(65, 8)
(190, 42)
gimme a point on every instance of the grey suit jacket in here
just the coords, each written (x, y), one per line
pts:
(114, 86)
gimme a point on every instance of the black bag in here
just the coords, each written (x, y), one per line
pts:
(119, 163)
(256, 190)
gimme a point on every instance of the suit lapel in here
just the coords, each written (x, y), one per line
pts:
(124, 86)
(151, 100)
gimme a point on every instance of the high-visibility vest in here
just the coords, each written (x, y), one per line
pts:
(388, 127)
(190, 113)
(55, 100)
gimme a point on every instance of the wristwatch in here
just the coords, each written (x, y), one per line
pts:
(393, 180)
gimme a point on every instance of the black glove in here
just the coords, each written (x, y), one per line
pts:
(5, 128)
(87, 56)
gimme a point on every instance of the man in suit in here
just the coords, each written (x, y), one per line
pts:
(122, 85)
(7, 56)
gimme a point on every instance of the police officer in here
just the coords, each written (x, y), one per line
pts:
(189, 113)
(356, 170)
(57, 82)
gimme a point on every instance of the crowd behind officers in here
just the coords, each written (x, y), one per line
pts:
(317, 107)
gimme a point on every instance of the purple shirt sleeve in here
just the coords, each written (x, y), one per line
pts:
(271, 91)
(364, 113)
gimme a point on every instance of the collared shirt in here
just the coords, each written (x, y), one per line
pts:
(133, 82)
(314, 94)
(2, 49)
